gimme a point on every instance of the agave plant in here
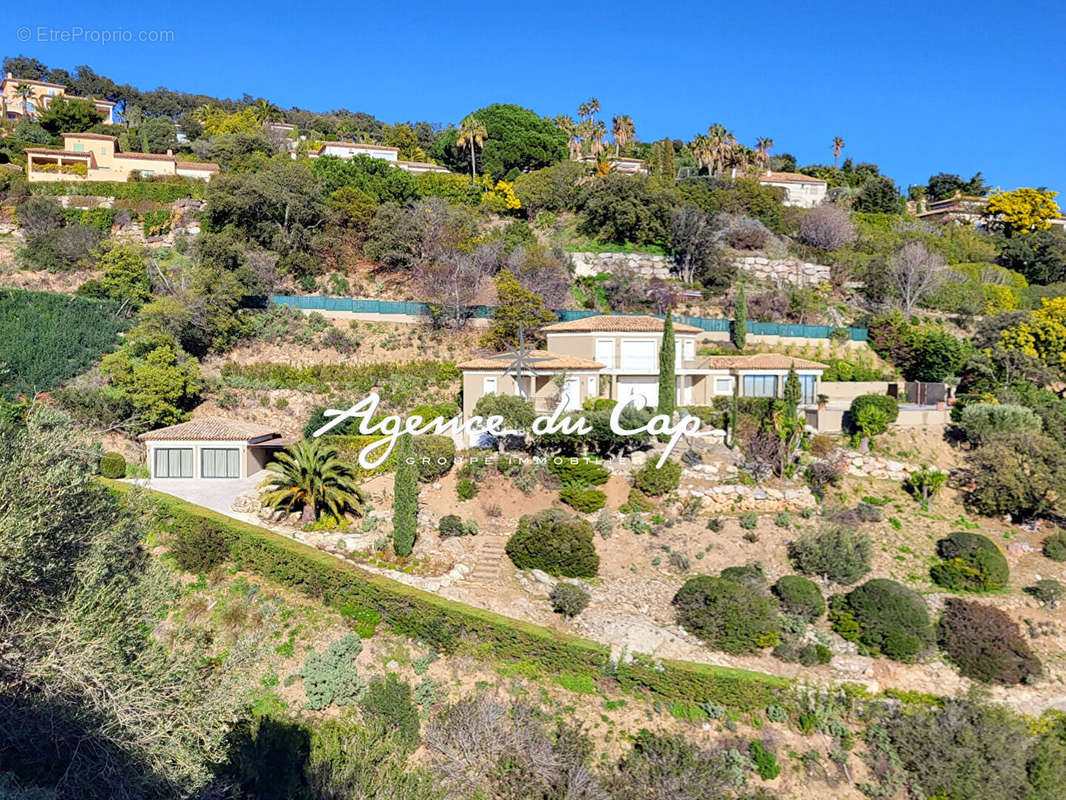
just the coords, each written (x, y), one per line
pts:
(309, 475)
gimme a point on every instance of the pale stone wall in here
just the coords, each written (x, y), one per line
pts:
(782, 270)
(767, 270)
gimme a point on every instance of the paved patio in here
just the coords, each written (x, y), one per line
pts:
(217, 494)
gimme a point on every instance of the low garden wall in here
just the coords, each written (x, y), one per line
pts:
(644, 264)
(451, 626)
(846, 391)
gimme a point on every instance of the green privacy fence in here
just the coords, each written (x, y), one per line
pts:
(710, 324)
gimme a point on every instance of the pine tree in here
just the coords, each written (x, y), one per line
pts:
(516, 306)
(740, 320)
(405, 498)
(667, 376)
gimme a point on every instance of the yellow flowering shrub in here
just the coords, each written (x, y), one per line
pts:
(1043, 335)
(1024, 210)
(501, 198)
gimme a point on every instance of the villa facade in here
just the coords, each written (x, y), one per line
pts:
(96, 157)
(349, 150)
(617, 358)
(210, 448)
(800, 190)
(40, 96)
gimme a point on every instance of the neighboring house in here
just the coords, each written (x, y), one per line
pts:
(964, 209)
(625, 166)
(210, 447)
(348, 150)
(617, 357)
(16, 107)
(800, 190)
(96, 157)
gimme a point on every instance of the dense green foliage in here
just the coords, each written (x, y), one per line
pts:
(113, 465)
(387, 701)
(196, 545)
(517, 140)
(47, 338)
(725, 614)
(885, 617)
(1055, 546)
(654, 480)
(568, 599)
(799, 597)
(667, 365)
(330, 678)
(405, 498)
(585, 500)
(984, 644)
(972, 562)
(555, 542)
(981, 421)
(836, 553)
(1022, 473)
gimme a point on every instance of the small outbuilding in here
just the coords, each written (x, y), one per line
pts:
(211, 447)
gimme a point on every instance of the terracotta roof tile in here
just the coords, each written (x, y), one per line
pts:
(541, 359)
(788, 177)
(617, 323)
(102, 136)
(205, 166)
(210, 429)
(358, 146)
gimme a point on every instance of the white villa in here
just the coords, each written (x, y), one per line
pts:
(800, 190)
(210, 448)
(348, 150)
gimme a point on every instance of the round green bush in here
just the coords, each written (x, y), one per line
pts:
(812, 654)
(466, 489)
(888, 405)
(984, 643)
(584, 500)
(434, 455)
(452, 525)
(197, 545)
(112, 465)
(578, 471)
(750, 575)
(836, 553)
(1055, 546)
(799, 597)
(726, 615)
(555, 542)
(972, 563)
(654, 480)
(979, 421)
(569, 599)
(884, 616)
(749, 520)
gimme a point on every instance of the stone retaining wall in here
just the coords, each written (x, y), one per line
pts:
(767, 270)
(783, 270)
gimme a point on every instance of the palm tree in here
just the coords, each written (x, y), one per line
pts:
(838, 145)
(763, 146)
(472, 135)
(701, 149)
(265, 110)
(597, 130)
(718, 142)
(25, 91)
(623, 131)
(310, 476)
(573, 144)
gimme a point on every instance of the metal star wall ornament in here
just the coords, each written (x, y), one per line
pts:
(521, 361)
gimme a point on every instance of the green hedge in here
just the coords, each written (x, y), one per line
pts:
(449, 625)
(158, 191)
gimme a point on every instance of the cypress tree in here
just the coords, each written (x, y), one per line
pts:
(667, 375)
(736, 413)
(740, 320)
(669, 166)
(793, 391)
(405, 498)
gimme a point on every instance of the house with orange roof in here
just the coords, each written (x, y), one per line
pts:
(96, 157)
(16, 105)
(616, 357)
(801, 190)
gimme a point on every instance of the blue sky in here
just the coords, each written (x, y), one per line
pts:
(915, 87)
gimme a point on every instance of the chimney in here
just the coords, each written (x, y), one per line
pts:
(170, 153)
